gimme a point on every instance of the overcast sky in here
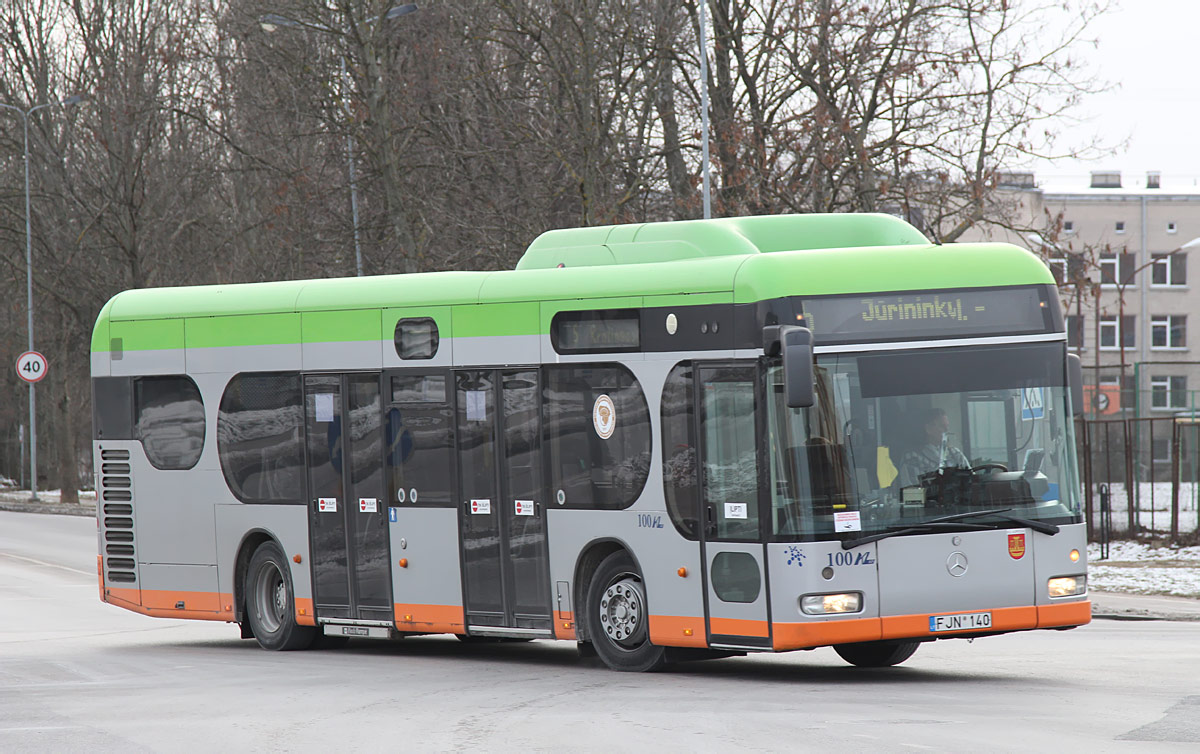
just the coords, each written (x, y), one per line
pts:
(1150, 51)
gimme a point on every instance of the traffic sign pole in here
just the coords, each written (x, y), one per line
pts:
(32, 367)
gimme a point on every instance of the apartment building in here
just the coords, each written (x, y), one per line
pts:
(1139, 338)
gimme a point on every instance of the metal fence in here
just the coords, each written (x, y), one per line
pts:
(1148, 470)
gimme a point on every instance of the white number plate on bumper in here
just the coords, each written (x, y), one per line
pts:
(960, 622)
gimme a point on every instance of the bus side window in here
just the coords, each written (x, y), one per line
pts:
(597, 428)
(679, 450)
(420, 451)
(169, 421)
(260, 431)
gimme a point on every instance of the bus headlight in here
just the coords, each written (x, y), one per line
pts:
(1067, 586)
(826, 604)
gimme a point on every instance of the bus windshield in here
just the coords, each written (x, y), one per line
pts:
(897, 438)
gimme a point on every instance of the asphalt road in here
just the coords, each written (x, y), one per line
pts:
(78, 675)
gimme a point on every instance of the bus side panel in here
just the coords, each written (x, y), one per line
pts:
(1051, 559)
(495, 334)
(174, 507)
(795, 570)
(427, 590)
(348, 340)
(287, 525)
(147, 347)
(676, 603)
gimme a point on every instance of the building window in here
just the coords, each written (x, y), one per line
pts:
(416, 338)
(679, 450)
(1113, 332)
(1168, 269)
(1068, 226)
(260, 437)
(1120, 226)
(1117, 269)
(1168, 392)
(169, 421)
(1075, 326)
(1171, 227)
(597, 427)
(1067, 270)
(1168, 331)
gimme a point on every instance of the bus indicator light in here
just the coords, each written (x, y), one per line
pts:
(296, 558)
(1074, 556)
(1016, 546)
(682, 572)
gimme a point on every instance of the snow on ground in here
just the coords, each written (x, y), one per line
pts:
(50, 496)
(1153, 505)
(1139, 568)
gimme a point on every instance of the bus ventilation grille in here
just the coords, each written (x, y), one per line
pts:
(116, 486)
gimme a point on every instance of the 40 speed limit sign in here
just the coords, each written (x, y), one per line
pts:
(31, 366)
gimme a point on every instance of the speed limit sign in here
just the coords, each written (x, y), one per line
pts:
(31, 366)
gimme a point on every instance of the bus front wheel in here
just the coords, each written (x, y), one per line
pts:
(618, 619)
(876, 654)
(271, 602)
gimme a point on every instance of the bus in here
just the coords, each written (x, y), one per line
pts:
(663, 441)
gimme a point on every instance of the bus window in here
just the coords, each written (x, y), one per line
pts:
(416, 338)
(169, 421)
(420, 440)
(679, 450)
(597, 427)
(727, 417)
(260, 431)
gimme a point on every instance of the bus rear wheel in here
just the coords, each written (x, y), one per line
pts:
(271, 602)
(876, 654)
(618, 619)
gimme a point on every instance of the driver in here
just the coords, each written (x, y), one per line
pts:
(935, 452)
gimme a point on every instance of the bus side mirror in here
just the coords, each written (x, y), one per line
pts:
(1075, 378)
(795, 345)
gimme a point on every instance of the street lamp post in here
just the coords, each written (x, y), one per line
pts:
(73, 99)
(704, 167)
(272, 21)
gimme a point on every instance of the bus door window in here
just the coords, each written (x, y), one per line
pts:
(730, 468)
(419, 439)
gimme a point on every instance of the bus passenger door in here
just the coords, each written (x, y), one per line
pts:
(731, 531)
(505, 561)
(347, 509)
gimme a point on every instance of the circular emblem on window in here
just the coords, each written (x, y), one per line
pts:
(956, 564)
(604, 417)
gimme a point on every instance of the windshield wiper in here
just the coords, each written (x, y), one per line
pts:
(953, 522)
(1039, 526)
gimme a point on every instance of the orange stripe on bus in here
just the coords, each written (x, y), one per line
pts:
(305, 615)
(677, 631)
(162, 603)
(1066, 614)
(787, 636)
(430, 619)
(100, 574)
(564, 624)
(1003, 619)
(738, 627)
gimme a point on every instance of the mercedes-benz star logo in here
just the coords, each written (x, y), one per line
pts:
(956, 564)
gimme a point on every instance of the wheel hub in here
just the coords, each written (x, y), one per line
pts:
(622, 612)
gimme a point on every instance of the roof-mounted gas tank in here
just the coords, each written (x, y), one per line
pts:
(640, 243)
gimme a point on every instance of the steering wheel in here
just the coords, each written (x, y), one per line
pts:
(986, 466)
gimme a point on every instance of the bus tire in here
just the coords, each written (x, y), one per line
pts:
(876, 654)
(618, 618)
(271, 602)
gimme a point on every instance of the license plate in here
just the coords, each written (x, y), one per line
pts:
(960, 622)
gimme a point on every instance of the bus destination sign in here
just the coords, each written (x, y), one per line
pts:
(929, 314)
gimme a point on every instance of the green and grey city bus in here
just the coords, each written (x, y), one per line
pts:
(660, 440)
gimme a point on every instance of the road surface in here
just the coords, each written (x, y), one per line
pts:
(79, 675)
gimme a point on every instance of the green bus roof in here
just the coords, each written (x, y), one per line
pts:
(746, 259)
